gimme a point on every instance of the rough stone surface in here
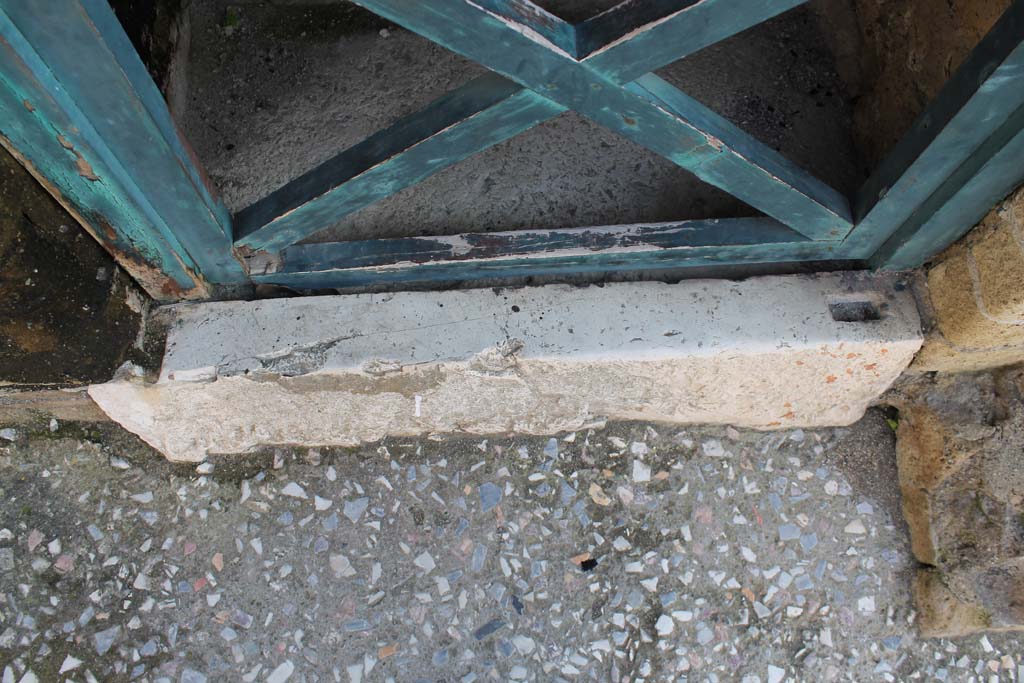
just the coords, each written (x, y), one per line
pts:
(123, 567)
(762, 353)
(942, 612)
(998, 267)
(975, 301)
(959, 445)
(961, 320)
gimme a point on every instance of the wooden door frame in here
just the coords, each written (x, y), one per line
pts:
(80, 111)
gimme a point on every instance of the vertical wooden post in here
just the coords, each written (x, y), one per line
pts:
(79, 109)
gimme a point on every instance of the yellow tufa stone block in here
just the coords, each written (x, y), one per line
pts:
(957, 314)
(977, 290)
(941, 613)
(999, 266)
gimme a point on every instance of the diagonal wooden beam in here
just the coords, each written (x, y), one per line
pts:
(640, 36)
(905, 209)
(484, 112)
(338, 187)
(491, 40)
(744, 162)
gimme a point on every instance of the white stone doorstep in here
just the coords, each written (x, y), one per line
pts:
(764, 353)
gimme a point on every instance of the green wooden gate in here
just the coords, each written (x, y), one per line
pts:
(78, 108)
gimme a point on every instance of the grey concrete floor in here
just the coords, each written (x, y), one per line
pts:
(630, 553)
(278, 87)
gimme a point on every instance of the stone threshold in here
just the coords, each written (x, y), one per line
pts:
(764, 353)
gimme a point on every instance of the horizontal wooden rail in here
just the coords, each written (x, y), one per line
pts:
(471, 246)
(740, 261)
(474, 256)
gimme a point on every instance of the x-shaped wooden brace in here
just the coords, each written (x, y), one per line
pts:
(541, 67)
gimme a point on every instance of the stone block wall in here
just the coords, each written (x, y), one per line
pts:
(975, 296)
(958, 449)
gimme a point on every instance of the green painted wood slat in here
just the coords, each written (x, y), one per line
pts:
(989, 175)
(68, 70)
(523, 243)
(79, 109)
(712, 259)
(640, 36)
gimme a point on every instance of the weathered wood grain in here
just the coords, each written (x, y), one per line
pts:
(475, 256)
(640, 36)
(522, 243)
